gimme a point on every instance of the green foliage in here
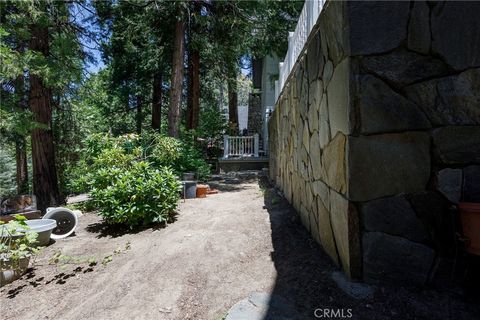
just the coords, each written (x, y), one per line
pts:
(16, 242)
(103, 152)
(138, 195)
(164, 151)
(212, 124)
(7, 172)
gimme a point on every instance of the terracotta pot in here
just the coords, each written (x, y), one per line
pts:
(202, 190)
(470, 218)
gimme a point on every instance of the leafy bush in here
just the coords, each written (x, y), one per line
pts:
(103, 151)
(16, 243)
(165, 151)
(131, 178)
(137, 195)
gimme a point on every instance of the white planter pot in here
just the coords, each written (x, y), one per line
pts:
(9, 274)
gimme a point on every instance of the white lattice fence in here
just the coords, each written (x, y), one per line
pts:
(297, 40)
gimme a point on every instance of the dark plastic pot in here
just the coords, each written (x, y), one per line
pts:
(189, 189)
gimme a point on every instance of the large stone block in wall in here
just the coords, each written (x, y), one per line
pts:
(324, 130)
(334, 164)
(457, 145)
(419, 37)
(453, 100)
(394, 216)
(395, 259)
(325, 231)
(402, 67)
(376, 27)
(333, 24)
(315, 59)
(387, 164)
(338, 97)
(383, 110)
(456, 33)
(346, 231)
(449, 183)
(433, 209)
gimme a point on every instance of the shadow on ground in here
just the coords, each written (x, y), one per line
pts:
(103, 229)
(304, 279)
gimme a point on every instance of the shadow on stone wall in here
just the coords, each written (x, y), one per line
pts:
(304, 278)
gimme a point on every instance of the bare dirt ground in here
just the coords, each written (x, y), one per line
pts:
(245, 239)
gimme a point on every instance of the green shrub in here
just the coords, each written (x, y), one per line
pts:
(136, 195)
(164, 151)
(131, 178)
(17, 242)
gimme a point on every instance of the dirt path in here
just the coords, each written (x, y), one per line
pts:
(220, 249)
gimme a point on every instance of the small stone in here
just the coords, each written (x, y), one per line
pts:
(355, 290)
(260, 304)
(449, 183)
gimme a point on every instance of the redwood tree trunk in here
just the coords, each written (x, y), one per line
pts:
(139, 115)
(20, 142)
(157, 102)
(22, 169)
(233, 106)
(177, 79)
(193, 110)
(45, 183)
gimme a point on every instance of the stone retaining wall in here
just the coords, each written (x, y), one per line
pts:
(376, 133)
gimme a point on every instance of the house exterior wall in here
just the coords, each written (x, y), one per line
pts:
(376, 133)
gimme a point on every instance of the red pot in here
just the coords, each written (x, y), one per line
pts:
(470, 218)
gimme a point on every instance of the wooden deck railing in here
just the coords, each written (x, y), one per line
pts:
(237, 146)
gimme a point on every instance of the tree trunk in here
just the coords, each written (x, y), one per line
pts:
(22, 169)
(193, 109)
(45, 183)
(233, 106)
(20, 143)
(177, 79)
(139, 115)
(157, 101)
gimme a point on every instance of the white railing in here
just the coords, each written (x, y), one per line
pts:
(297, 40)
(234, 146)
